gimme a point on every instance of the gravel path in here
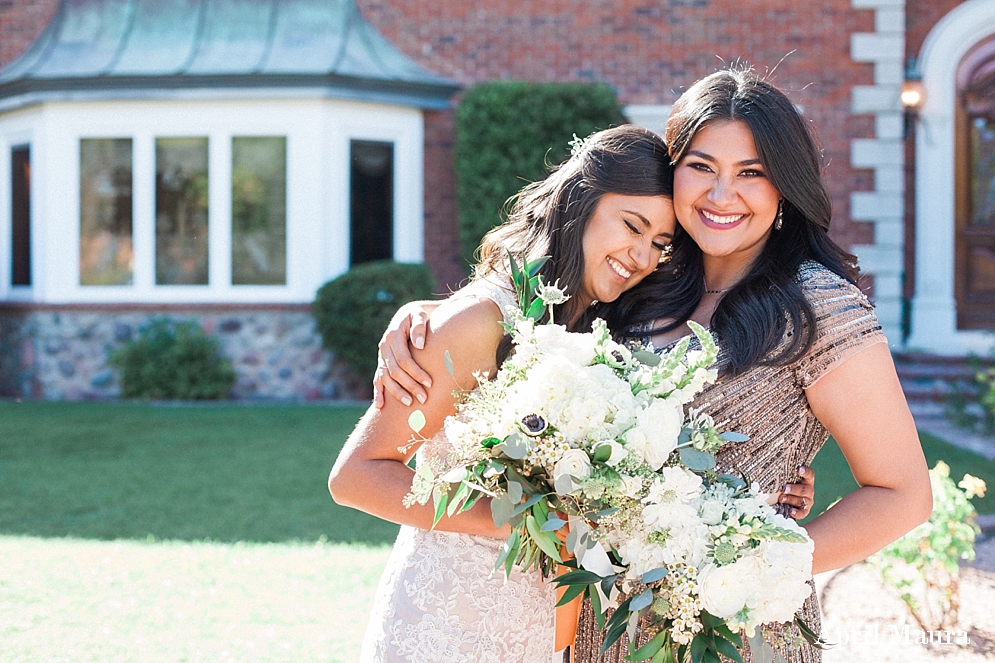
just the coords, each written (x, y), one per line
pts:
(870, 623)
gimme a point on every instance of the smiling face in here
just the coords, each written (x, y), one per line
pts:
(722, 195)
(622, 244)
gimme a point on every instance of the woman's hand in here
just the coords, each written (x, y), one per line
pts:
(800, 494)
(398, 374)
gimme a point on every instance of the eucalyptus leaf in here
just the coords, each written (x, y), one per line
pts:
(654, 575)
(416, 421)
(572, 541)
(449, 364)
(697, 460)
(552, 525)
(502, 509)
(514, 492)
(644, 600)
(732, 436)
(524, 506)
(515, 446)
(564, 484)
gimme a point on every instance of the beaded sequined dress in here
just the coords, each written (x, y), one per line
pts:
(438, 601)
(768, 403)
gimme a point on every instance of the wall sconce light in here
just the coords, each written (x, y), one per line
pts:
(912, 95)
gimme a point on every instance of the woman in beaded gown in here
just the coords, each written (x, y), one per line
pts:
(605, 217)
(802, 353)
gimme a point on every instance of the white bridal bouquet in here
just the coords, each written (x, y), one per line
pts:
(585, 448)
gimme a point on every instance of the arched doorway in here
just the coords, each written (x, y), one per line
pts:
(975, 205)
(957, 41)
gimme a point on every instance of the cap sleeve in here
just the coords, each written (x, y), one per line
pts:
(845, 324)
(494, 287)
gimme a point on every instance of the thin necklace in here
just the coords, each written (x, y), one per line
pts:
(715, 292)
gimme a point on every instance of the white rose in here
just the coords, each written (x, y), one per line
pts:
(618, 452)
(573, 463)
(712, 512)
(661, 423)
(631, 486)
(725, 590)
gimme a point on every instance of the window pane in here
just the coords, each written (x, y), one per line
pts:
(105, 247)
(20, 187)
(259, 210)
(181, 211)
(371, 190)
(983, 171)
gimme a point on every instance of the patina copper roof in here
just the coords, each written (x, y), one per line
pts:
(140, 48)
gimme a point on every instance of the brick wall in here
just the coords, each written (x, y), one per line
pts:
(648, 52)
(920, 17)
(21, 21)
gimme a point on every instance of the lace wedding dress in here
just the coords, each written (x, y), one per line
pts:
(438, 600)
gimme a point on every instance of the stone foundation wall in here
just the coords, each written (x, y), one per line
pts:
(60, 353)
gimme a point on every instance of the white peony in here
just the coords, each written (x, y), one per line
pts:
(555, 340)
(573, 463)
(658, 426)
(725, 590)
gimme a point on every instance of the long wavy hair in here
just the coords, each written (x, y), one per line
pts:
(751, 319)
(548, 218)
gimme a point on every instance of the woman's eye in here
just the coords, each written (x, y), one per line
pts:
(701, 167)
(660, 247)
(753, 173)
(632, 228)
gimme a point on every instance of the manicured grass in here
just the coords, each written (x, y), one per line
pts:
(222, 473)
(77, 601)
(834, 480)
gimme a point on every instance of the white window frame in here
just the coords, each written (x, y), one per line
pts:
(318, 132)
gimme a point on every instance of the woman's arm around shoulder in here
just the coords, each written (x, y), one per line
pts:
(371, 472)
(861, 403)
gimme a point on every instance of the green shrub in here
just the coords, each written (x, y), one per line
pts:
(352, 311)
(506, 134)
(172, 361)
(971, 403)
(924, 565)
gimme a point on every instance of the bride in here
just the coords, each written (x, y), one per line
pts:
(605, 218)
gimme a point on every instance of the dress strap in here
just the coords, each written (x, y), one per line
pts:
(494, 287)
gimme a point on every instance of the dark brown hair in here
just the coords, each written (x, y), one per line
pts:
(548, 218)
(753, 317)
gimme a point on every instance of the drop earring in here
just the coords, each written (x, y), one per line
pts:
(780, 215)
(665, 254)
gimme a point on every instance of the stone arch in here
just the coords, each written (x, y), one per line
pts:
(934, 311)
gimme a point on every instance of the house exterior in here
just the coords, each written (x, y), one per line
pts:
(344, 92)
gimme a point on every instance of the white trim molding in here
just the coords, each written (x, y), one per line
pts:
(934, 309)
(883, 206)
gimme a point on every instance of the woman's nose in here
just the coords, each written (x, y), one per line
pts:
(722, 191)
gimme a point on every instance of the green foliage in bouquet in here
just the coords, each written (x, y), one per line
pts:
(352, 310)
(924, 565)
(172, 360)
(587, 448)
(506, 134)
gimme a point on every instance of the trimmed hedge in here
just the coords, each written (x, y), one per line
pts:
(172, 361)
(352, 310)
(507, 132)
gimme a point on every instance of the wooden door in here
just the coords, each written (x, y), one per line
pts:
(975, 241)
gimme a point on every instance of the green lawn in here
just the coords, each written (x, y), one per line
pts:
(206, 533)
(220, 473)
(833, 479)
